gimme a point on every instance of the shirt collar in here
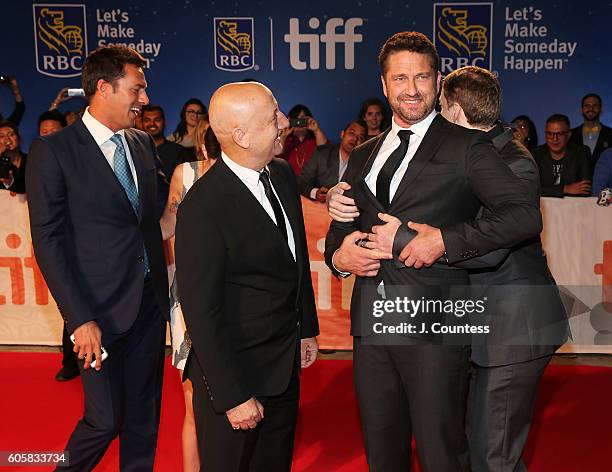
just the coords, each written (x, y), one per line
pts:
(100, 132)
(419, 129)
(249, 176)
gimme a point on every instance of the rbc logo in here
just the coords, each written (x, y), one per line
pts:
(330, 38)
(234, 44)
(462, 34)
(60, 36)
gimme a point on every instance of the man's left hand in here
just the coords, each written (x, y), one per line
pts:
(382, 236)
(309, 349)
(426, 247)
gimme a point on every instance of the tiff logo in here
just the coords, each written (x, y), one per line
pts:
(330, 38)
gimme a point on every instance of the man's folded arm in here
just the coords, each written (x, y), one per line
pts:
(513, 216)
(200, 268)
(48, 209)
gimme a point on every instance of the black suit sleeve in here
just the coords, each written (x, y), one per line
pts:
(307, 180)
(338, 230)
(200, 267)
(48, 207)
(513, 216)
(163, 185)
(585, 167)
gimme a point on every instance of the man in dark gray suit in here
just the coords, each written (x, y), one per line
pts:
(327, 165)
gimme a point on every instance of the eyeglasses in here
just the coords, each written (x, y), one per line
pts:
(194, 112)
(556, 135)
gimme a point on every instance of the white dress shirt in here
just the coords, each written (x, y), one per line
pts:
(250, 178)
(102, 136)
(391, 142)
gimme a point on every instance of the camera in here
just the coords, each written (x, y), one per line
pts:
(298, 122)
(5, 166)
(4, 79)
(75, 92)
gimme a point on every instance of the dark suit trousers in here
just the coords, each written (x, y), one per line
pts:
(69, 358)
(500, 409)
(124, 397)
(267, 448)
(418, 390)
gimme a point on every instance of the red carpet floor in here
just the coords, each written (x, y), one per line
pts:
(570, 431)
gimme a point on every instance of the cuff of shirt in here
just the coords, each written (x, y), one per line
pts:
(342, 274)
(313, 193)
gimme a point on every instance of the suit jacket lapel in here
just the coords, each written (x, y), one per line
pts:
(368, 166)
(98, 163)
(429, 145)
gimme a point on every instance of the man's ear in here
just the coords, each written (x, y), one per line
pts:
(104, 88)
(240, 138)
(341, 135)
(384, 85)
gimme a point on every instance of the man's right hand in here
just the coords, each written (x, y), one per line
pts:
(582, 187)
(246, 415)
(340, 207)
(88, 342)
(358, 260)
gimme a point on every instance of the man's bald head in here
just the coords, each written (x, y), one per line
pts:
(247, 122)
(235, 105)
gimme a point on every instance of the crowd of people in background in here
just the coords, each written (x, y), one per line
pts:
(572, 161)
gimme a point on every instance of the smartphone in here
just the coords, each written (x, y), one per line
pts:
(298, 122)
(4, 79)
(75, 92)
(103, 356)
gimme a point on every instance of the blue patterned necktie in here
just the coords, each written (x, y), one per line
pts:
(124, 176)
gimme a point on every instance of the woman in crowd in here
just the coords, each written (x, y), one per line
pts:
(185, 175)
(300, 142)
(374, 113)
(192, 113)
(525, 131)
(13, 159)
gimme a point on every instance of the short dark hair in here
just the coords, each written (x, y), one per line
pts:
(52, 115)
(478, 93)
(589, 95)
(108, 63)
(558, 118)
(150, 108)
(411, 41)
(357, 122)
(297, 109)
(13, 126)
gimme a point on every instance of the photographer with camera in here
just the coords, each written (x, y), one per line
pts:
(301, 138)
(12, 160)
(19, 110)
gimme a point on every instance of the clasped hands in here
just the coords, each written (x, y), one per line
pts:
(248, 414)
(361, 253)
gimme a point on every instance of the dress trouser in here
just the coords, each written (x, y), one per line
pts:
(124, 397)
(69, 358)
(267, 448)
(418, 390)
(500, 409)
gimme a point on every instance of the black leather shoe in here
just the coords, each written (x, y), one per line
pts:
(67, 373)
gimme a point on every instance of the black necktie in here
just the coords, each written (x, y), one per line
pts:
(264, 177)
(389, 168)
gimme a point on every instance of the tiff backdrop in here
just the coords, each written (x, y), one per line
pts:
(320, 53)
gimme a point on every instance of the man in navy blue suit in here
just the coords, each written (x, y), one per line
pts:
(94, 193)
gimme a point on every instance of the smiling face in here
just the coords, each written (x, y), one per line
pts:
(267, 127)
(373, 117)
(193, 114)
(117, 105)
(410, 84)
(591, 108)
(153, 123)
(352, 136)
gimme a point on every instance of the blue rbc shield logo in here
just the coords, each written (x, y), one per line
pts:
(60, 36)
(234, 44)
(463, 35)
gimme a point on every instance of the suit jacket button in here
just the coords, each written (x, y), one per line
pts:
(140, 258)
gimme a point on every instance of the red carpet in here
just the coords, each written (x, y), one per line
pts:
(570, 431)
